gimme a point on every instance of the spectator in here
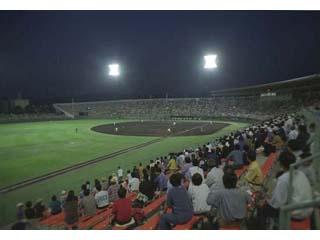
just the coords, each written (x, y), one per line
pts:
(101, 197)
(120, 173)
(146, 188)
(20, 211)
(254, 175)
(301, 191)
(230, 202)
(293, 134)
(63, 197)
(122, 210)
(186, 166)
(214, 178)
(39, 208)
(71, 215)
(140, 170)
(179, 201)
(83, 188)
(172, 165)
(104, 184)
(161, 181)
(195, 169)
(134, 183)
(29, 212)
(55, 205)
(113, 190)
(88, 204)
(198, 191)
(236, 156)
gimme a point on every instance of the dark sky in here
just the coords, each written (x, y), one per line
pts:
(64, 54)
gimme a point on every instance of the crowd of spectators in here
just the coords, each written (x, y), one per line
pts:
(199, 181)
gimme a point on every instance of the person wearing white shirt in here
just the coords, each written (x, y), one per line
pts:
(120, 173)
(214, 178)
(195, 169)
(101, 197)
(198, 192)
(301, 191)
(293, 134)
(134, 183)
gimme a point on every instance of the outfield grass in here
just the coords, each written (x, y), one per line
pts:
(31, 149)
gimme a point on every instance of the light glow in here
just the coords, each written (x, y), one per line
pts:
(210, 61)
(114, 70)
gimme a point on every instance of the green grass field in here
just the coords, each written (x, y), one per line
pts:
(31, 149)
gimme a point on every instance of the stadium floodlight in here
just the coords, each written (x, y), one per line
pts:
(210, 61)
(114, 70)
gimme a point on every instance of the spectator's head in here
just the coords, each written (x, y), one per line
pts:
(28, 204)
(187, 160)
(87, 192)
(302, 129)
(119, 167)
(251, 156)
(246, 148)
(197, 179)
(71, 196)
(195, 162)
(230, 180)
(312, 127)
(98, 187)
(140, 164)
(228, 169)
(286, 158)
(122, 192)
(83, 187)
(54, 198)
(175, 179)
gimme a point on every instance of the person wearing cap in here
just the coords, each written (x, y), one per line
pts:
(63, 197)
(113, 190)
(20, 211)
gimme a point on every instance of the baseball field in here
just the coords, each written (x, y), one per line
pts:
(39, 159)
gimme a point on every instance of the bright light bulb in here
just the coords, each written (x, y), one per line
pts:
(114, 70)
(210, 61)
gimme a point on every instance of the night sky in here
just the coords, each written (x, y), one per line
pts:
(60, 55)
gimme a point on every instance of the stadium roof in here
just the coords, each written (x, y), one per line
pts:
(302, 83)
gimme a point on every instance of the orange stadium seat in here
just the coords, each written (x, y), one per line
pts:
(301, 225)
(154, 206)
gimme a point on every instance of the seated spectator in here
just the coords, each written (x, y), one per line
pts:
(29, 212)
(39, 208)
(20, 211)
(88, 204)
(55, 205)
(63, 197)
(198, 192)
(83, 188)
(134, 183)
(293, 134)
(195, 169)
(113, 190)
(101, 197)
(186, 166)
(104, 184)
(179, 201)
(230, 202)
(302, 138)
(254, 175)
(96, 183)
(172, 165)
(236, 156)
(277, 141)
(122, 210)
(161, 181)
(301, 191)
(71, 215)
(146, 188)
(214, 177)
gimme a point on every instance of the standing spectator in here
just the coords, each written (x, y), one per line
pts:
(120, 173)
(146, 187)
(140, 170)
(122, 210)
(63, 197)
(88, 204)
(161, 182)
(29, 212)
(83, 188)
(236, 156)
(293, 134)
(71, 215)
(179, 201)
(172, 165)
(55, 205)
(186, 166)
(198, 191)
(101, 197)
(104, 184)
